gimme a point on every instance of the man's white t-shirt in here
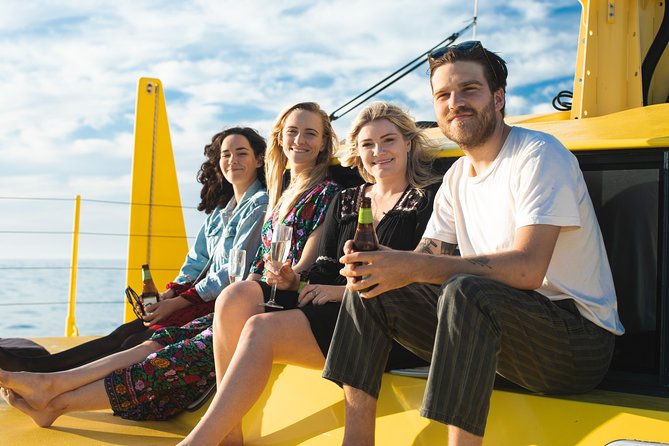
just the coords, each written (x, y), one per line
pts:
(533, 180)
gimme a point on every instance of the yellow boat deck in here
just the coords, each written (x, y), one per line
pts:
(84, 428)
(299, 407)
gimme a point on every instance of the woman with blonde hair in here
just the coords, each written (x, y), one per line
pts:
(391, 155)
(421, 152)
(303, 139)
(306, 171)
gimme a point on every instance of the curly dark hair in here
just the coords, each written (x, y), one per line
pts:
(216, 190)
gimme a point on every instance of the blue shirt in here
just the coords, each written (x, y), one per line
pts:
(234, 226)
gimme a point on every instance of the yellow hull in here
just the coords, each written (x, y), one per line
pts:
(299, 407)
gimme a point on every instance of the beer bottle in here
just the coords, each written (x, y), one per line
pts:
(149, 289)
(365, 238)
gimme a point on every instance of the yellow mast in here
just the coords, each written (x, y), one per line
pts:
(157, 230)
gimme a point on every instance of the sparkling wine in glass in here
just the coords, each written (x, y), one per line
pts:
(281, 240)
(236, 264)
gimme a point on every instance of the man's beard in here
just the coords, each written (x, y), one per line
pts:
(475, 131)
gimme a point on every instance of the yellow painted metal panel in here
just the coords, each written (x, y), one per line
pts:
(298, 407)
(638, 128)
(614, 38)
(642, 127)
(86, 429)
(608, 71)
(157, 230)
(71, 318)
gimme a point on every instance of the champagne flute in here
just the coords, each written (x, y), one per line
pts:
(236, 264)
(282, 238)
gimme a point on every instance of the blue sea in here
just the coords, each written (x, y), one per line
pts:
(34, 296)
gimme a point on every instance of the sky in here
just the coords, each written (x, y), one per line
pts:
(69, 73)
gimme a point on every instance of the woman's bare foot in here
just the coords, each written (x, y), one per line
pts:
(43, 418)
(37, 389)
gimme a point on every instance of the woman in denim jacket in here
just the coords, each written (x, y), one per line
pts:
(235, 198)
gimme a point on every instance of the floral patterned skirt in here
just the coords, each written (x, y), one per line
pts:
(167, 381)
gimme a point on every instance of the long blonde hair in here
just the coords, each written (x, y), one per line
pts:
(276, 162)
(420, 158)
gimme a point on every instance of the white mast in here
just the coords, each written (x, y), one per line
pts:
(476, 14)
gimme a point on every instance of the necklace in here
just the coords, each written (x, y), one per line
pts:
(377, 209)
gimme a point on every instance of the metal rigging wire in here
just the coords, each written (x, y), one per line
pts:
(399, 73)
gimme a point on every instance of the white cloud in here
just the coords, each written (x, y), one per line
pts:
(69, 72)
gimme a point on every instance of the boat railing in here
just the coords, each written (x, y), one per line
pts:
(45, 228)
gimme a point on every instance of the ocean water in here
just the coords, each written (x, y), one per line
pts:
(34, 297)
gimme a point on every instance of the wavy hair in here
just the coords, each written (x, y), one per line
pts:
(216, 190)
(284, 199)
(421, 152)
(494, 67)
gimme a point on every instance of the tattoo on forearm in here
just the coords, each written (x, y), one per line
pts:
(480, 261)
(448, 249)
(425, 245)
(431, 246)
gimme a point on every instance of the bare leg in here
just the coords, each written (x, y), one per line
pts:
(460, 437)
(360, 417)
(283, 337)
(38, 389)
(235, 305)
(89, 397)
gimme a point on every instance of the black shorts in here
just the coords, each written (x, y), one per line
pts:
(322, 319)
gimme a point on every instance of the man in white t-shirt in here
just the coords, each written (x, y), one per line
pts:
(531, 295)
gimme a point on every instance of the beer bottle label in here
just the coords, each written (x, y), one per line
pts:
(365, 216)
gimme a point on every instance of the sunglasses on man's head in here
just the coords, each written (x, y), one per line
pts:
(466, 48)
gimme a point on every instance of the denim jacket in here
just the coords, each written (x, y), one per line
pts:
(235, 226)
